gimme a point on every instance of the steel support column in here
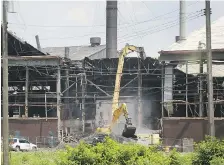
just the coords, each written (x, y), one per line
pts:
(83, 84)
(201, 104)
(26, 91)
(66, 100)
(59, 102)
(139, 94)
(186, 89)
(201, 63)
(162, 85)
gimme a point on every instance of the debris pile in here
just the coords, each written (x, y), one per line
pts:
(99, 137)
(93, 139)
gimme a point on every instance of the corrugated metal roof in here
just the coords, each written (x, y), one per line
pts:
(80, 52)
(191, 43)
(194, 69)
(75, 52)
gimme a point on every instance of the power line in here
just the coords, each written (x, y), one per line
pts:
(155, 31)
(73, 26)
(165, 25)
(174, 22)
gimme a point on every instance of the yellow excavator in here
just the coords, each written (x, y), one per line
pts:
(130, 129)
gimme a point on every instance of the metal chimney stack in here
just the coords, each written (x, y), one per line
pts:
(111, 29)
(182, 22)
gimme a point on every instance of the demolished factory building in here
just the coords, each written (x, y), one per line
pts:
(49, 89)
(184, 98)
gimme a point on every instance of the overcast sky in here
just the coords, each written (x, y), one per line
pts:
(152, 24)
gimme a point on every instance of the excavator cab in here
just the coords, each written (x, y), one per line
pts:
(129, 129)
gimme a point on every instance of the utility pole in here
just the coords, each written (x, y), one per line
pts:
(5, 85)
(209, 69)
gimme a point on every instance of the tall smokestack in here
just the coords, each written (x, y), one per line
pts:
(111, 29)
(182, 22)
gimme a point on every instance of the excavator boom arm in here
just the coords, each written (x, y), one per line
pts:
(125, 51)
(118, 112)
(129, 130)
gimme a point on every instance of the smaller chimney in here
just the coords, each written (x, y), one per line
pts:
(177, 38)
(95, 41)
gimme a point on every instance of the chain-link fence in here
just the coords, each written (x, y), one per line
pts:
(46, 142)
(165, 144)
(182, 145)
(19, 137)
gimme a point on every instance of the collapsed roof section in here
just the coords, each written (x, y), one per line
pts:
(18, 47)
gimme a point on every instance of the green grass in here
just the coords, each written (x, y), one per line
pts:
(33, 158)
(69, 157)
(208, 152)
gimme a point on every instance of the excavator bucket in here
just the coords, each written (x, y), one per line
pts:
(129, 131)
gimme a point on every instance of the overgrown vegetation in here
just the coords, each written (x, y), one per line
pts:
(208, 152)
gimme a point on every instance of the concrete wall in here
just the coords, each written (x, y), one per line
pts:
(32, 128)
(196, 128)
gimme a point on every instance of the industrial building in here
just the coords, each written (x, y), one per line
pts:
(65, 89)
(58, 90)
(184, 86)
(25, 89)
(75, 85)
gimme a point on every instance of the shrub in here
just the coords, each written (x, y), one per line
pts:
(181, 158)
(110, 152)
(113, 153)
(207, 150)
(217, 161)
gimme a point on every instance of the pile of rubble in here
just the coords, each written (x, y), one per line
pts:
(93, 139)
(99, 137)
